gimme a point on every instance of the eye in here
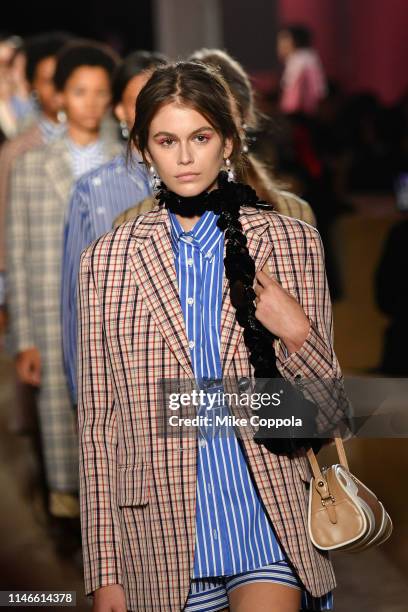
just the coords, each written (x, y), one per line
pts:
(202, 138)
(166, 142)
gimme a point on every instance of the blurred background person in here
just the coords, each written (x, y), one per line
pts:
(391, 291)
(17, 107)
(102, 194)
(303, 81)
(41, 184)
(40, 63)
(8, 120)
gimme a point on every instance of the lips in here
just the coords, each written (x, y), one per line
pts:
(187, 176)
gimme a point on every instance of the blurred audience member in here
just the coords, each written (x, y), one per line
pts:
(102, 194)
(8, 120)
(303, 80)
(21, 101)
(41, 184)
(391, 290)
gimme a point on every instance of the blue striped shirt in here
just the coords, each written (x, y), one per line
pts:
(85, 158)
(233, 532)
(97, 199)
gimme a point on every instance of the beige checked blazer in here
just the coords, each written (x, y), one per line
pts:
(138, 488)
(9, 153)
(40, 189)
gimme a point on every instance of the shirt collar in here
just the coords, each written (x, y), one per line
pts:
(49, 129)
(204, 236)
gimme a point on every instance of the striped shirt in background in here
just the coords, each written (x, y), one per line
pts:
(97, 199)
(84, 159)
(233, 532)
(49, 129)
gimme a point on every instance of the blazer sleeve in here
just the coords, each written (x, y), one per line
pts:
(97, 441)
(17, 273)
(77, 237)
(315, 365)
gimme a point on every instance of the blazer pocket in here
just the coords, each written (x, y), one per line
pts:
(133, 484)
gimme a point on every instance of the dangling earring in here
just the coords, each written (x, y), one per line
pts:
(155, 180)
(245, 147)
(124, 130)
(62, 116)
(230, 171)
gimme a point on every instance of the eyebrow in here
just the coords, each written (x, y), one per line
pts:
(201, 129)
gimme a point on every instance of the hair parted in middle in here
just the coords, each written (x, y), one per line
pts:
(190, 84)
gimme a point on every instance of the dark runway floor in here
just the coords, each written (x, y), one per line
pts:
(375, 581)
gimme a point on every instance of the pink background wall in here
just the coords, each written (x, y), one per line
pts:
(363, 43)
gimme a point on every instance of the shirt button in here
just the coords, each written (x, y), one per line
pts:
(96, 181)
(189, 238)
(190, 262)
(191, 344)
(190, 301)
(202, 442)
(209, 488)
(215, 534)
(209, 254)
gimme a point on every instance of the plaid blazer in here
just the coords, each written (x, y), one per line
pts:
(9, 153)
(138, 488)
(39, 194)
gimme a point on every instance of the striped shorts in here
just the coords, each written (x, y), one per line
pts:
(211, 594)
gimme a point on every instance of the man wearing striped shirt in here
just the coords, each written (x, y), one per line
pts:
(101, 195)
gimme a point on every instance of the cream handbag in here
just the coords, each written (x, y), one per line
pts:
(343, 513)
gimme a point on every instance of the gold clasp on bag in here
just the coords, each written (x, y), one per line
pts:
(324, 501)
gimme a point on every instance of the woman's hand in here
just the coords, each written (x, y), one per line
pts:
(28, 364)
(280, 313)
(109, 598)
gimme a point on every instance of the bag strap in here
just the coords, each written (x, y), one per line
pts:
(320, 483)
(341, 452)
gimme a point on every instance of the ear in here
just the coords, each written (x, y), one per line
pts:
(148, 158)
(119, 112)
(228, 147)
(60, 100)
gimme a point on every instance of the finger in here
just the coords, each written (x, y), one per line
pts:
(263, 278)
(258, 289)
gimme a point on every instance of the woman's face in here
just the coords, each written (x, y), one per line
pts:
(86, 97)
(125, 110)
(185, 149)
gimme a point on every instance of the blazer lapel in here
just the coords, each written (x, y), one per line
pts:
(253, 224)
(152, 264)
(58, 168)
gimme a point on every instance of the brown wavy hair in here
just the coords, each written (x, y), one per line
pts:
(196, 86)
(255, 172)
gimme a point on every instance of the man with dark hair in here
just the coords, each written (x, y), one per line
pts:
(41, 185)
(80, 53)
(103, 194)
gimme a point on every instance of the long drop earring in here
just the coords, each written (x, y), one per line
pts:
(230, 171)
(155, 180)
(61, 116)
(124, 130)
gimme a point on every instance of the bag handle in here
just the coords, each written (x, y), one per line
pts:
(320, 483)
(314, 464)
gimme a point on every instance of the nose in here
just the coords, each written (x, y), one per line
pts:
(185, 155)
